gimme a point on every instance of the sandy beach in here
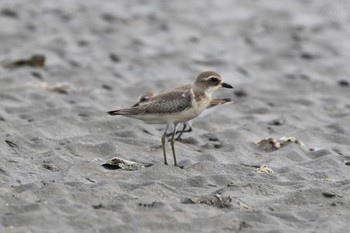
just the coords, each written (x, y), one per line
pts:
(64, 64)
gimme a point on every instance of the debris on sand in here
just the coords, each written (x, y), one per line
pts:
(61, 88)
(331, 194)
(264, 169)
(215, 200)
(271, 144)
(36, 60)
(242, 205)
(119, 163)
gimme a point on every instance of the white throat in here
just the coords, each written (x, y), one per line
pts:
(211, 90)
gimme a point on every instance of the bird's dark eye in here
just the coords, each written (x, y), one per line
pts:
(214, 80)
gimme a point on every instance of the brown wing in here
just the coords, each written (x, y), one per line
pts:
(175, 100)
(170, 102)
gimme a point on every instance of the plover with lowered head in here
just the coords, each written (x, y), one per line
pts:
(187, 126)
(176, 105)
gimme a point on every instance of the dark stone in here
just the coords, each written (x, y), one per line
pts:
(343, 83)
(277, 122)
(329, 194)
(9, 13)
(108, 17)
(37, 75)
(194, 39)
(240, 93)
(307, 55)
(107, 87)
(114, 57)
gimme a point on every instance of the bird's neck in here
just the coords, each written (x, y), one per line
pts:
(201, 94)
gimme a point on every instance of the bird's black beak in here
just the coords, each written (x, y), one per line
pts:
(226, 85)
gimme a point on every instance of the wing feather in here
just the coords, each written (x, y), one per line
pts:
(170, 102)
(173, 101)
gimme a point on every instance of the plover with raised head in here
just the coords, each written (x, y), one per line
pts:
(176, 105)
(187, 126)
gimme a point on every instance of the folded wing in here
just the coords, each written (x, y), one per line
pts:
(171, 102)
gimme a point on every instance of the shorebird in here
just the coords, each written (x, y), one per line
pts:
(176, 105)
(187, 126)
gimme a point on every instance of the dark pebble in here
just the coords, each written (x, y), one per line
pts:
(98, 206)
(329, 194)
(241, 93)
(114, 58)
(108, 17)
(82, 43)
(343, 83)
(37, 75)
(194, 39)
(9, 13)
(307, 56)
(107, 87)
(277, 122)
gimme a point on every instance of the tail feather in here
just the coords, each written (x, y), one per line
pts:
(114, 112)
(125, 111)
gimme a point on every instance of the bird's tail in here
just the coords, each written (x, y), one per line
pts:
(125, 111)
(114, 112)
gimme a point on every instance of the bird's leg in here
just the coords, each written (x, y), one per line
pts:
(169, 135)
(184, 130)
(163, 144)
(172, 143)
(180, 132)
